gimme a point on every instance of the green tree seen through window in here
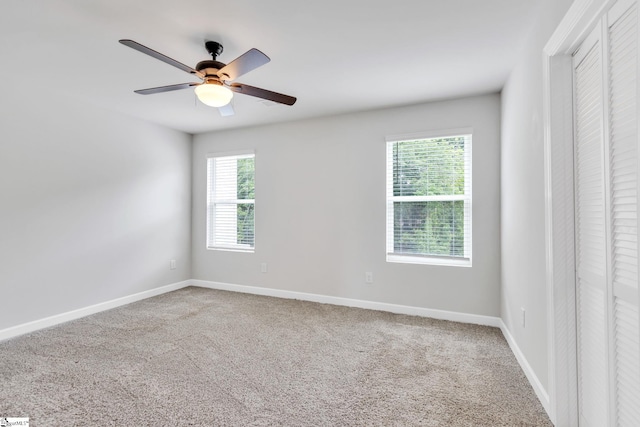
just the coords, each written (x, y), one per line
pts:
(246, 211)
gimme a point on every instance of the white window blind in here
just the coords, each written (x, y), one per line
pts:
(429, 200)
(230, 202)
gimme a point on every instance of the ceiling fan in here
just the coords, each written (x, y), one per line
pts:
(216, 89)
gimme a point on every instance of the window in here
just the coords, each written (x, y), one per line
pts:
(429, 199)
(231, 201)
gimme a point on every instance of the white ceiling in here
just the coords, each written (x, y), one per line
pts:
(335, 56)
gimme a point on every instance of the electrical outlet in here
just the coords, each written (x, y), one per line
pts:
(172, 264)
(524, 316)
(368, 277)
(263, 267)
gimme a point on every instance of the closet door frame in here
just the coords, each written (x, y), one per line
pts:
(580, 20)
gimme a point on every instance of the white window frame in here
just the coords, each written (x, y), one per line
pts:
(465, 261)
(212, 201)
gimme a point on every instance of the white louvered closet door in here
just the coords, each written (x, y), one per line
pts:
(591, 249)
(622, 73)
(606, 186)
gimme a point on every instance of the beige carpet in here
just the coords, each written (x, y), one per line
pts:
(199, 357)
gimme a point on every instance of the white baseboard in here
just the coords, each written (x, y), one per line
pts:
(540, 391)
(47, 322)
(348, 302)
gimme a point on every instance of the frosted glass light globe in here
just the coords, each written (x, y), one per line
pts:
(213, 95)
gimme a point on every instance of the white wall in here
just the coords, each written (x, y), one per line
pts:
(320, 209)
(93, 205)
(522, 195)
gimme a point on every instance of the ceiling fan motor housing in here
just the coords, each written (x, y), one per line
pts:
(209, 68)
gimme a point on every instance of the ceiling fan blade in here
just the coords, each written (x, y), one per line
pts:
(246, 62)
(169, 88)
(226, 110)
(263, 93)
(141, 48)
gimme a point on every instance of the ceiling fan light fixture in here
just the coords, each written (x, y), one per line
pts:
(213, 94)
(213, 91)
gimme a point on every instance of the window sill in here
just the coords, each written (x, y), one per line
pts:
(427, 260)
(226, 249)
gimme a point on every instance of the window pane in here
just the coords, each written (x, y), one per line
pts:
(231, 195)
(429, 167)
(245, 224)
(246, 179)
(429, 228)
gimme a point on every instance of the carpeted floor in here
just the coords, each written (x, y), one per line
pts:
(200, 357)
